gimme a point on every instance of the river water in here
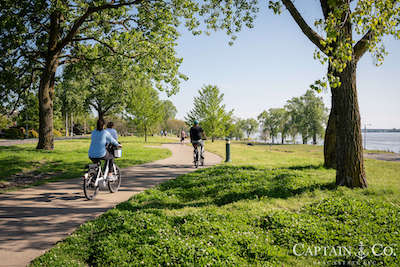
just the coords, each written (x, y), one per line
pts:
(373, 141)
(382, 141)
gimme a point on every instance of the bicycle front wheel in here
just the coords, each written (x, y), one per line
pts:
(114, 184)
(89, 187)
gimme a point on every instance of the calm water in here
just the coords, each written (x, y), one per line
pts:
(374, 141)
(382, 141)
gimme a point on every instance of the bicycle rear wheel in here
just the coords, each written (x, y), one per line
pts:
(114, 185)
(89, 187)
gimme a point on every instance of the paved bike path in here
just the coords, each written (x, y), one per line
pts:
(32, 220)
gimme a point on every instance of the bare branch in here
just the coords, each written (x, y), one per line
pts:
(310, 33)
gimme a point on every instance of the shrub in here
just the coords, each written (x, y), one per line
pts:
(33, 134)
(57, 133)
(14, 133)
(4, 121)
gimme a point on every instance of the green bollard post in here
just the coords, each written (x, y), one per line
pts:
(228, 150)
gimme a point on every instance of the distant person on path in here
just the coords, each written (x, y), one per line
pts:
(99, 140)
(162, 133)
(111, 130)
(183, 136)
(197, 136)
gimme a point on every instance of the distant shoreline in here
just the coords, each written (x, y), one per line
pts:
(394, 130)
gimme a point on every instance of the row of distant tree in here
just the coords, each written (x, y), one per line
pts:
(305, 115)
(140, 113)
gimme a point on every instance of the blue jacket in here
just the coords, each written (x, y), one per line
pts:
(113, 133)
(98, 143)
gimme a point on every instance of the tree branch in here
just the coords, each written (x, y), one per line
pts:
(325, 8)
(109, 47)
(78, 23)
(362, 45)
(310, 33)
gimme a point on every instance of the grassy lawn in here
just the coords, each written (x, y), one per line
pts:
(250, 212)
(68, 160)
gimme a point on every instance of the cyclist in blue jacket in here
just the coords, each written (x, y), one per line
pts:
(99, 139)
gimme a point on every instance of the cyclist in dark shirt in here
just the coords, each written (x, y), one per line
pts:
(197, 136)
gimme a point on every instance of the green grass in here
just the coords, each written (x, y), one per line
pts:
(250, 212)
(69, 158)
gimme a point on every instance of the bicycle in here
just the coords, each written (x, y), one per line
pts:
(95, 176)
(197, 157)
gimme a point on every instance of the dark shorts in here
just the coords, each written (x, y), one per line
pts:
(107, 157)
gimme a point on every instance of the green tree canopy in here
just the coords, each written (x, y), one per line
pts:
(144, 108)
(250, 126)
(169, 111)
(272, 121)
(210, 112)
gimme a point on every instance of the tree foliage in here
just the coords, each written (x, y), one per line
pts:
(210, 112)
(144, 106)
(307, 114)
(272, 121)
(249, 126)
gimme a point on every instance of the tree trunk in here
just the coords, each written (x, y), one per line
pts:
(330, 138)
(46, 86)
(304, 139)
(283, 139)
(46, 94)
(66, 124)
(72, 124)
(314, 138)
(145, 134)
(349, 153)
(212, 139)
(101, 114)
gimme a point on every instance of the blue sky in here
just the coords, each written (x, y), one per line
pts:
(273, 62)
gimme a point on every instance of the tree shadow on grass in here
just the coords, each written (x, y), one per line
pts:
(276, 190)
(223, 185)
(306, 167)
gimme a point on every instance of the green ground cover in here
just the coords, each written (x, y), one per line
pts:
(68, 159)
(250, 212)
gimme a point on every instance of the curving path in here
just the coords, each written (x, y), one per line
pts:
(32, 220)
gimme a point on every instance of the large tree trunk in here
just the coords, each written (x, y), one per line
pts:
(330, 132)
(46, 86)
(330, 139)
(349, 154)
(283, 139)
